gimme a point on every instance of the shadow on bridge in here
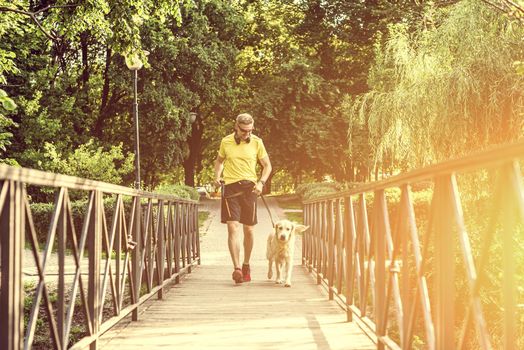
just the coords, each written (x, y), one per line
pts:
(207, 311)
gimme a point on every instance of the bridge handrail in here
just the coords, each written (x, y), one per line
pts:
(381, 275)
(149, 254)
(492, 157)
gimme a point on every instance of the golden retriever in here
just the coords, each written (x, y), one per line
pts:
(280, 249)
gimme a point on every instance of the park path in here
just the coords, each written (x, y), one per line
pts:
(208, 311)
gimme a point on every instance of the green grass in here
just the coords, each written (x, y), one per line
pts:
(202, 217)
(293, 216)
(289, 201)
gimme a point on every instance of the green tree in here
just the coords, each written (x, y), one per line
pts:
(293, 79)
(7, 105)
(206, 66)
(90, 161)
(71, 82)
(445, 91)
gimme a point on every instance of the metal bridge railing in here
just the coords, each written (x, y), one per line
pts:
(430, 259)
(130, 246)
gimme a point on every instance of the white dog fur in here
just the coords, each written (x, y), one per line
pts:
(280, 250)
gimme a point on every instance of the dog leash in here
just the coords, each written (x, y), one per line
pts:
(222, 190)
(269, 211)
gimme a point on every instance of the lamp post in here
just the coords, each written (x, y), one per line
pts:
(134, 64)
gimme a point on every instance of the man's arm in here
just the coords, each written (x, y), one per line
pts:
(219, 167)
(266, 171)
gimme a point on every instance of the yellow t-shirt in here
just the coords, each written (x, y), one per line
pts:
(241, 160)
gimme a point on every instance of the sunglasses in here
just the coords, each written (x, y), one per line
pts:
(245, 131)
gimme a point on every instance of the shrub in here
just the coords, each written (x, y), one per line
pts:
(42, 212)
(318, 192)
(181, 191)
(91, 161)
(317, 189)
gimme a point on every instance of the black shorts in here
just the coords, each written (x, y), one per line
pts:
(239, 203)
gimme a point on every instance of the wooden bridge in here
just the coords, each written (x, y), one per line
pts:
(208, 311)
(429, 259)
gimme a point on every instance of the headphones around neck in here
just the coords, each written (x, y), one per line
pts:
(238, 140)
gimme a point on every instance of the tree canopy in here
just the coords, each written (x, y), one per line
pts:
(443, 89)
(338, 89)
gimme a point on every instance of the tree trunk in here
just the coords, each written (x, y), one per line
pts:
(189, 172)
(195, 144)
(84, 36)
(99, 125)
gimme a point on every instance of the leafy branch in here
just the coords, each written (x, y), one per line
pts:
(509, 7)
(33, 16)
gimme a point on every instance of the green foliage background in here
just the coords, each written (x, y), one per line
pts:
(339, 90)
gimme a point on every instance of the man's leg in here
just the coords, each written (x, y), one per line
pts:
(248, 243)
(248, 248)
(233, 242)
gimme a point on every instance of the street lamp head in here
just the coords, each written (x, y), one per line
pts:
(133, 62)
(192, 117)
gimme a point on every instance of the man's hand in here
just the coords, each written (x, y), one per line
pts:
(219, 167)
(258, 188)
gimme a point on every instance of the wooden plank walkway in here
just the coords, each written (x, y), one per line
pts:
(208, 311)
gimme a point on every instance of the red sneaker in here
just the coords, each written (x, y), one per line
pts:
(237, 276)
(246, 272)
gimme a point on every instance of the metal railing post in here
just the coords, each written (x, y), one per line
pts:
(379, 240)
(12, 246)
(330, 247)
(161, 248)
(350, 235)
(177, 239)
(197, 236)
(136, 228)
(318, 240)
(94, 246)
(444, 263)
